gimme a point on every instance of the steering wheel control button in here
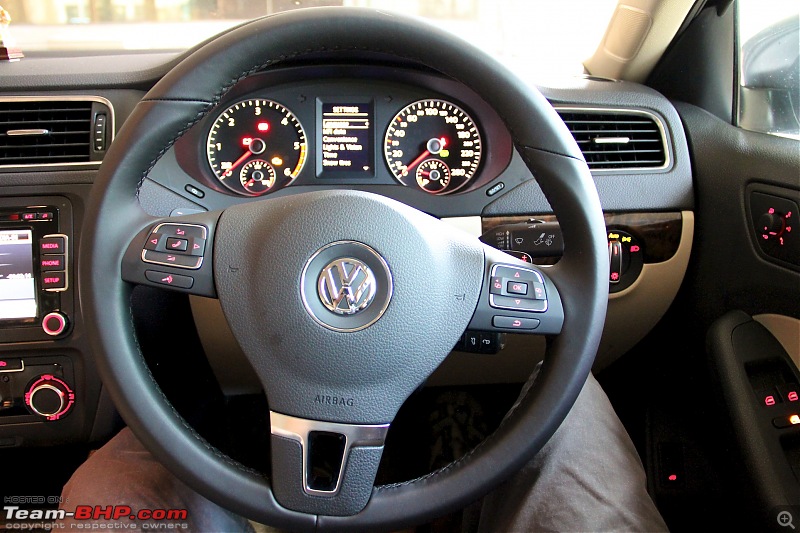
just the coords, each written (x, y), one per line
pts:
(486, 342)
(520, 289)
(539, 292)
(177, 245)
(517, 287)
(55, 323)
(49, 397)
(346, 286)
(174, 260)
(51, 262)
(171, 280)
(496, 286)
(510, 322)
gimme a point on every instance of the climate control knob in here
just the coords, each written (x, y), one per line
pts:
(49, 397)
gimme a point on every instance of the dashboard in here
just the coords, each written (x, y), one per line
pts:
(392, 128)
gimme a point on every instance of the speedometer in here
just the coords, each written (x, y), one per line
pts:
(256, 146)
(434, 145)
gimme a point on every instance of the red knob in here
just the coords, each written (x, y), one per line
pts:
(49, 397)
(55, 323)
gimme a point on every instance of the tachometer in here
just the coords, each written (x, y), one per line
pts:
(434, 145)
(256, 146)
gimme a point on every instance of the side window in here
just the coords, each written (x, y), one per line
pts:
(768, 39)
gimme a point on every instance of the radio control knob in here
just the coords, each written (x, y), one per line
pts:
(49, 397)
(55, 323)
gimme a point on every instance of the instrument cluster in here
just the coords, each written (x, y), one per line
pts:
(290, 128)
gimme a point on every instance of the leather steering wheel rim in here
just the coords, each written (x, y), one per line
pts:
(190, 91)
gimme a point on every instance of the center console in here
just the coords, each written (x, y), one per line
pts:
(48, 392)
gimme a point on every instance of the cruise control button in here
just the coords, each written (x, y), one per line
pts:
(52, 245)
(177, 245)
(173, 280)
(472, 341)
(517, 304)
(517, 287)
(489, 342)
(510, 322)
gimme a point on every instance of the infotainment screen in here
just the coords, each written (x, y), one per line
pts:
(17, 284)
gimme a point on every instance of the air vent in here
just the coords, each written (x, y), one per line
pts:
(617, 139)
(54, 131)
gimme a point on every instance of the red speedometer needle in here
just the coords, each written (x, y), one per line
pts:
(418, 160)
(236, 163)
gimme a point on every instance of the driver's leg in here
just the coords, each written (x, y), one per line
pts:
(588, 477)
(123, 473)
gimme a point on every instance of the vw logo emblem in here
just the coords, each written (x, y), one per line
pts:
(346, 286)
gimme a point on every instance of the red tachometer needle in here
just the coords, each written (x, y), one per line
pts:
(238, 162)
(418, 160)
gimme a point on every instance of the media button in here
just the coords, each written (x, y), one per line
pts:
(52, 245)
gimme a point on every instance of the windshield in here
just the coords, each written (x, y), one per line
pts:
(533, 36)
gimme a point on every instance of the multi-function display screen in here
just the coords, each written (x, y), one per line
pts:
(17, 284)
(346, 138)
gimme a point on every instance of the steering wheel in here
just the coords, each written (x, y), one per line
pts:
(343, 322)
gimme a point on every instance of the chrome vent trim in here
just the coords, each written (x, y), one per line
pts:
(52, 131)
(618, 139)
